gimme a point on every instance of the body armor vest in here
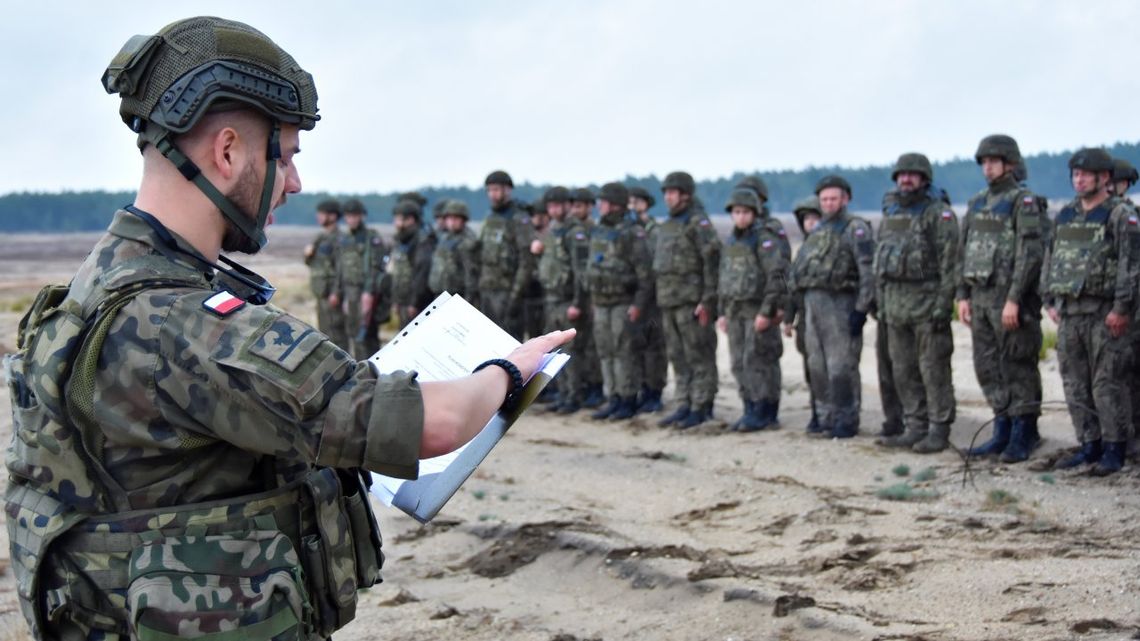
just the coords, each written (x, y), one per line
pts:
(1084, 258)
(991, 240)
(741, 274)
(906, 249)
(827, 260)
(610, 276)
(499, 255)
(447, 269)
(554, 266)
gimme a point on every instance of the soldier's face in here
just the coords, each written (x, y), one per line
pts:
(454, 223)
(1120, 187)
(326, 219)
(908, 181)
(605, 207)
(673, 198)
(742, 217)
(1088, 183)
(810, 221)
(539, 221)
(557, 210)
(639, 205)
(354, 220)
(580, 209)
(993, 168)
(498, 194)
(831, 200)
(402, 222)
(246, 191)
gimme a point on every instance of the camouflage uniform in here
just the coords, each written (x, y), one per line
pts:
(1091, 271)
(556, 274)
(363, 267)
(915, 269)
(833, 270)
(753, 282)
(652, 361)
(583, 349)
(455, 264)
(322, 279)
(506, 265)
(205, 419)
(410, 266)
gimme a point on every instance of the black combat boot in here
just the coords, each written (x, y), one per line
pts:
(845, 430)
(814, 426)
(891, 428)
(1089, 453)
(697, 416)
(998, 441)
(1019, 446)
(652, 403)
(568, 406)
(609, 409)
(772, 415)
(678, 415)
(1111, 461)
(594, 397)
(754, 418)
(627, 407)
(740, 421)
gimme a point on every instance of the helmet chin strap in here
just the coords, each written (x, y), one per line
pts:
(253, 230)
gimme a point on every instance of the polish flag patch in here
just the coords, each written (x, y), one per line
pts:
(1028, 200)
(223, 303)
(947, 215)
(1133, 221)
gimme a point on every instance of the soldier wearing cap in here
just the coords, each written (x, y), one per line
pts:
(506, 263)
(1090, 291)
(202, 474)
(410, 262)
(686, 263)
(455, 263)
(807, 215)
(363, 280)
(320, 256)
(1002, 248)
(587, 375)
(752, 294)
(915, 268)
(649, 330)
(833, 270)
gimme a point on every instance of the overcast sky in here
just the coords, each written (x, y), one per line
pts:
(427, 93)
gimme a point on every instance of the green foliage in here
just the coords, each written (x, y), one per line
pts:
(924, 475)
(997, 499)
(1048, 479)
(479, 495)
(1048, 342)
(901, 470)
(905, 492)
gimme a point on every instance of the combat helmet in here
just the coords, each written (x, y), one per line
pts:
(330, 206)
(1092, 159)
(642, 193)
(454, 208)
(998, 146)
(614, 193)
(168, 81)
(914, 162)
(407, 208)
(354, 206)
(1123, 170)
(806, 206)
(681, 181)
(831, 180)
(556, 194)
(413, 196)
(756, 184)
(582, 195)
(744, 198)
(499, 177)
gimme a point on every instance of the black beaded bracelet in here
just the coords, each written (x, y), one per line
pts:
(515, 392)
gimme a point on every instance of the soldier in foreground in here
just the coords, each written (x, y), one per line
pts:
(648, 331)
(1002, 249)
(833, 270)
(1090, 290)
(203, 472)
(455, 263)
(807, 215)
(686, 263)
(916, 274)
(363, 280)
(320, 256)
(506, 264)
(752, 293)
(410, 262)
(618, 277)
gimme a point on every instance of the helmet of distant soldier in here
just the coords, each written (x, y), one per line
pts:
(556, 194)
(809, 205)
(832, 180)
(913, 162)
(582, 195)
(1092, 159)
(615, 194)
(354, 206)
(998, 146)
(413, 196)
(499, 177)
(330, 206)
(642, 193)
(743, 198)
(756, 184)
(1123, 170)
(454, 208)
(407, 208)
(681, 181)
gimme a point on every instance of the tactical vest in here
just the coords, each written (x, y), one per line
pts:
(554, 266)
(499, 255)
(283, 563)
(906, 249)
(827, 260)
(677, 262)
(356, 258)
(322, 267)
(611, 278)
(741, 274)
(777, 229)
(1083, 261)
(401, 267)
(991, 239)
(447, 268)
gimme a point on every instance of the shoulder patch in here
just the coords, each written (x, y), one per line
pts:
(1028, 200)
(704, 222)
(781, 232)
(947, 215)
(223, 304)
(767, 244)
(859, 232)
(376, 240)
(285, 342)
(580, 236)
(1132, 220)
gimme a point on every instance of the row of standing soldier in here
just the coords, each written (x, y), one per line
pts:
(633, 286)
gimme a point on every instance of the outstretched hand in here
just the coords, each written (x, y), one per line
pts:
(528, 356)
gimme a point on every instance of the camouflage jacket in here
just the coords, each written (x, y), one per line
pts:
(410, 266)
(916, 258)
(322, 264)
(775, 227)
(362, 262)
(618, 269)
(686, 259)
(506, 263)
(555, 264)
(837, 256)
(455, 264)
(578, 239)
(1002, 246)
(1093, 259)
(753, 271)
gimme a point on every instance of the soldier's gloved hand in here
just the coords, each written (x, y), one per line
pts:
(855, 321)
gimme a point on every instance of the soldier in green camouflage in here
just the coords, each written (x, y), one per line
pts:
(1124, 176)
(1090, 291)
(506, 264)
(556, 275)
(807, 215)
(410, 262)
(1002, 248)
(617, 273)
(686, 264)
(915, 269)
(765, 219)
(649, 334)
(320, 256)
(588, 369)
(363, 280)
(752, 293)
(833, 270)
(455, 263)
(186, 456)
(534, 314)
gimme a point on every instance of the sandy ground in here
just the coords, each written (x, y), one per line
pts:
(577, 530)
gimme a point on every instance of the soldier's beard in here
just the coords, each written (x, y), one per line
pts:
(246, 194)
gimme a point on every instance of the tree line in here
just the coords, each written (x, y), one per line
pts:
(92, 210)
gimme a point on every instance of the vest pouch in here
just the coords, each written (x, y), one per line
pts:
(983, 245)
(365, 530)
(223, 587)
(330, 553)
